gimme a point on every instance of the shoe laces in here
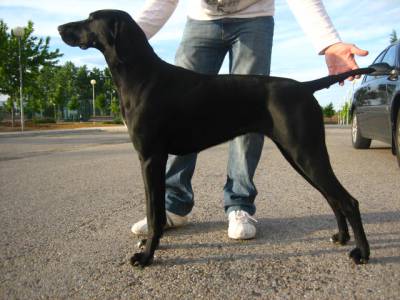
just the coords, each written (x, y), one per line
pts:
(243, 216)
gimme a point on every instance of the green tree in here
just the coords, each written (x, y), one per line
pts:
(57, 98)
(84, 91)
(328, 110)
(35, 54)
(8, 81)
(50, 89)
(73, 103)
(60, 89)
(45, 83)
(344, 113)
(393, 37)
(101, 103)
(7, 105)
(109, 89)
(114, 107)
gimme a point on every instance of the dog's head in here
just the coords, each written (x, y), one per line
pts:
(106, 30)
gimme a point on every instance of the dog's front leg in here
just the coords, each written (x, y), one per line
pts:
(153, 172)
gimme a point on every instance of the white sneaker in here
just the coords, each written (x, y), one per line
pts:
(241, 225)
(173, 221)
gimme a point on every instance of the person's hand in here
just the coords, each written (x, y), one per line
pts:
(339, 58)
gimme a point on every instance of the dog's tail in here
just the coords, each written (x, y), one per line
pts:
(326, 82)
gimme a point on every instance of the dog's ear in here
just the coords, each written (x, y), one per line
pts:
(130, 42)
(122, 41)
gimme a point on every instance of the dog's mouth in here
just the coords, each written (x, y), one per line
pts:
(75, 42)
(69, 36)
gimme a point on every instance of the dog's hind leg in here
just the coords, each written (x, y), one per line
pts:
(153, 172)
(310, 158)
(342, 237)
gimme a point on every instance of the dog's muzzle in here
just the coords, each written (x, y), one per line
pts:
(69, 36)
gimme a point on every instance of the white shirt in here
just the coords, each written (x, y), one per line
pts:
(310, 14)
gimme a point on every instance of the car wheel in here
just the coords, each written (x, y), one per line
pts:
(397, 137)
(358, 141)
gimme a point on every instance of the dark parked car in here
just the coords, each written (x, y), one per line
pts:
(376, 103)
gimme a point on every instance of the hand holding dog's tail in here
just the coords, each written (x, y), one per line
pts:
(340, 58)
(326, 82)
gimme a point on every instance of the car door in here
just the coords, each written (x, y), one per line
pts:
(383, 104)
(373, 101)
(393, 84)
(371, 107)
(366, 99)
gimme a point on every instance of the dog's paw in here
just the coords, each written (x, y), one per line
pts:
(357, 257)
(340, 238)
(142, 260)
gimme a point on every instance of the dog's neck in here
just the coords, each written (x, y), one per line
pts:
(139, 69)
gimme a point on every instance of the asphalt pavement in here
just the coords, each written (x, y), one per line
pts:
(68, 199)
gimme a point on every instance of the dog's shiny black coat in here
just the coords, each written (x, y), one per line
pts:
(172, 110)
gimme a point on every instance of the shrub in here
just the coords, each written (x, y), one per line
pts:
(43, 121)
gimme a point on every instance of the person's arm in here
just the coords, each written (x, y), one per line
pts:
(316, 24)
(154, 15)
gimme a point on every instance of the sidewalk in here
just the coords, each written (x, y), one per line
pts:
(30, 133)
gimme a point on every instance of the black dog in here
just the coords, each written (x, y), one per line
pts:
(172, 110)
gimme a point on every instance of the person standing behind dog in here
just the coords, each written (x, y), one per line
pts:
(243, 29)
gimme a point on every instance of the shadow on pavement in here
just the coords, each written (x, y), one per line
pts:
(284, 231)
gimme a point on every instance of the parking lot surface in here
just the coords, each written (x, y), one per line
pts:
(67, 201)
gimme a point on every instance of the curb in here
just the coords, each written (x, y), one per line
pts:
(338, 126)
(116, 129)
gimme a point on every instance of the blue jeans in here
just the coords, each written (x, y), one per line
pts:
(203, 48)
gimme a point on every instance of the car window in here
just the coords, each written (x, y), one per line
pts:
(390, 56)
(380, 56)
(377, 60)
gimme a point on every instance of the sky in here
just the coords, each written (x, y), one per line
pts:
(366, 23)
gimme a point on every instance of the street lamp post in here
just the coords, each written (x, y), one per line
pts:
(93, 83)
(19, 33)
